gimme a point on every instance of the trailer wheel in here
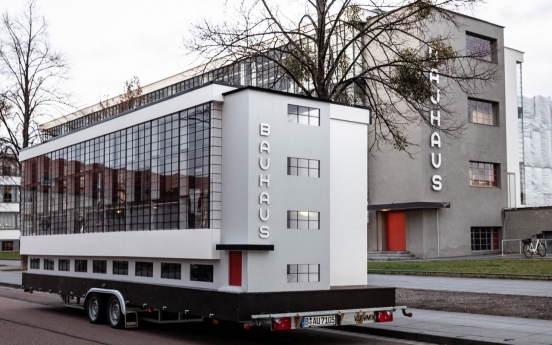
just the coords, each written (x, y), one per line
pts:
(115, 316)
(95, 308)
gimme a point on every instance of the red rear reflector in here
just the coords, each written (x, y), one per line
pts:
(281, 324)
(384, 316)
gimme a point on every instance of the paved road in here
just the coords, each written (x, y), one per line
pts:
(497, 286)
(13, 278)
(10, 262)
(40, 318)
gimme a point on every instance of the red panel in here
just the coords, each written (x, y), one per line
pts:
(396, 231)
(235, 271)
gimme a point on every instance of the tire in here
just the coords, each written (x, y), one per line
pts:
(541, 249)
(95, 308)
(115, 316)
(527, 251)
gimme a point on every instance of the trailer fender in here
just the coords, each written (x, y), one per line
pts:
(109, 292)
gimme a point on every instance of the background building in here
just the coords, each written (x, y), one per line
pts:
(10, 182)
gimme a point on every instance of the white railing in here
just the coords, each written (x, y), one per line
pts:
(510, 241)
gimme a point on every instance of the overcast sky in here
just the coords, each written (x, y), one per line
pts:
(110, 41)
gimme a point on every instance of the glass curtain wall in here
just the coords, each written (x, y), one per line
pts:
(158, 175)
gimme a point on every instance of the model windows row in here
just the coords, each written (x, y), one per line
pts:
(9, 193)
(303, 273)
(303, 115)
(158, 175)
(303, 167)
(200, 273)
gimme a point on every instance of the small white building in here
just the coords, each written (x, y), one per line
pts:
(9, 208)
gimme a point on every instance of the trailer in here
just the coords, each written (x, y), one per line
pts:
(219, 202)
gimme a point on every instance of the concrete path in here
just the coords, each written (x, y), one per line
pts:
(497, 286)
(10, 278)
(10, 262)
(458, 328)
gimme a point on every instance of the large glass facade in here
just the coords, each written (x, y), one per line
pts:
(160, 174)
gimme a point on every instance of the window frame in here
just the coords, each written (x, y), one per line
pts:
(7, 246)
(490, 234)
(295, 114)
(483, 183)
(294, 167)
(201, 273)
(34, 263)
(169, 270)
(120, 268)
(81, 266)
(64, 265)
(48, 264)
(493, 54)
(99, 266)
(293, 217)
(139, 267)
(494, 112)
(296, 273)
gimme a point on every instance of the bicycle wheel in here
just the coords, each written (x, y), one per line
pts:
(541, 249)
(527, 251)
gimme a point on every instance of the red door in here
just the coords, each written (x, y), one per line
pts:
(235, 269)
(396, 231)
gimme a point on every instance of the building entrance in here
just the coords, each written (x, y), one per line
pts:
(396, 230)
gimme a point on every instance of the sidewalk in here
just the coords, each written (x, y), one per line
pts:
(459, 329)
(481, 285)
(9, 276)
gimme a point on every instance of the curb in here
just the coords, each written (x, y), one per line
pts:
(421, 337)
(15, 286)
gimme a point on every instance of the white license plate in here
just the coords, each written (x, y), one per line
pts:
(318, 321)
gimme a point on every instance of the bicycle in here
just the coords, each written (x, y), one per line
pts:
(529, 250)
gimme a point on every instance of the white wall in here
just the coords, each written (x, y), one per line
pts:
(348, 195)
(511, 57)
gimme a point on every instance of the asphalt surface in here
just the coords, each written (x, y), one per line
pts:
(40, 318)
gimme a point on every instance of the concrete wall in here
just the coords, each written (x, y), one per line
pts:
(395, 177)
(522, 223)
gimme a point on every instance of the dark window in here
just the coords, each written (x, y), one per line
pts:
(303, 220)
(484, 238)
(9, 194)
(201, 273)
(7, 246)
(35, 263)
(303, 167)
(484, 174)
(81, 266)
(482, 112)
(63, 265)
(49, 264)
(303, 115)
(99, 266)
(480, 47)
(120, 268)
(522, 181)
(144, 269)
(303, 273)
(171, 271)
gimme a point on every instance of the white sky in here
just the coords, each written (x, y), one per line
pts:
(110, 41)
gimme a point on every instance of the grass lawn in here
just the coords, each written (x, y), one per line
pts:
(524, 266)
(9, 256)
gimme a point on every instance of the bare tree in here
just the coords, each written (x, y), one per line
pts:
(32, 72)
(374, 52)
(130, 98)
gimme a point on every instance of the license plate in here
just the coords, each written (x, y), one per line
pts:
(318, 321)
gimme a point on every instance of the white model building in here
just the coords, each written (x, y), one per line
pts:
(235, 190)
